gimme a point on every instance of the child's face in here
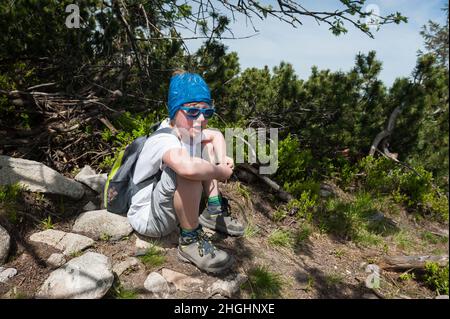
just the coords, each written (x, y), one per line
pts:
(193, 126)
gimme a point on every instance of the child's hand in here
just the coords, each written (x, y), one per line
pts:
(224, 171)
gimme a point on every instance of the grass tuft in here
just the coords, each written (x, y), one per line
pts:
(263, 284)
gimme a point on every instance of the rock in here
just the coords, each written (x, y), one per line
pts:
(228, 287)
(37, 177)
(100, 223)
(369, 296)
(377, 216)
(325, 193)
(7, 273)
(181, 281)
(88, 177)
(441, 297)
(4, 245)
(122, 266)
(85, 171)
(157, 284)
(56, 260)
(86, 277)
(89, 206)
(67, 242)
(143, 246)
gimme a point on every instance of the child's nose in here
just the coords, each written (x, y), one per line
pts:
(201, 118)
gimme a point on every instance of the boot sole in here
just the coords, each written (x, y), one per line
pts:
(207, 269)
(206, 223)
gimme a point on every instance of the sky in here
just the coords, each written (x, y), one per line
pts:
(314, 45)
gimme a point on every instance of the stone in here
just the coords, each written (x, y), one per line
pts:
(90, 178)
(102, 224)
(89, 206)
(56, 260)
(122, 266)
(181, 281)
(142, 246)
(158, 285)
(325, 193)
(37, 177)
(4, 245)
(69, 243)
(441, 297)
(227, 287)
(86, 277)
(6, 274)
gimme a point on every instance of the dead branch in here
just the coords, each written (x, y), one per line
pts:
(412, 262)
(283, 195)
(386, 132)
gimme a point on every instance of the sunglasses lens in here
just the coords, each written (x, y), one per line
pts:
(193, 112)
(208, 113)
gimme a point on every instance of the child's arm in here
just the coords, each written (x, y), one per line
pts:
(218, 142)
(195, 168)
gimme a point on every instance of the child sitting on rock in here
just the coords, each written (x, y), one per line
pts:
(174, 200)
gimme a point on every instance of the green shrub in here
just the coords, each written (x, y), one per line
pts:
(296, 168)
(436, 204)
(305, 205)
(415, 190)
(9, 197)
(131, 127)
(437, 277)
(10, 193)
(407, 276)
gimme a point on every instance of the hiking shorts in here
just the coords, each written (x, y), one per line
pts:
(158, 219)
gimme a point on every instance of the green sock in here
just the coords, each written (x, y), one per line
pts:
(189, 232)
(215, 201)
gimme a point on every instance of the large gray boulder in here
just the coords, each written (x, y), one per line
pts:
(86, 277)
(37, 177)
(4, 245)
(68, 243)
(102, 224)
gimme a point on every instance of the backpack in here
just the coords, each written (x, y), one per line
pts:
(119, 186)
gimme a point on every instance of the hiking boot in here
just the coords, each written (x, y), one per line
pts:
(199, 250)
(218, 218)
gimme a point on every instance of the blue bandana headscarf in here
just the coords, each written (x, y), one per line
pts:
(187, 88)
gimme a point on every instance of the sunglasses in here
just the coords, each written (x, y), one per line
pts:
(194, 112)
